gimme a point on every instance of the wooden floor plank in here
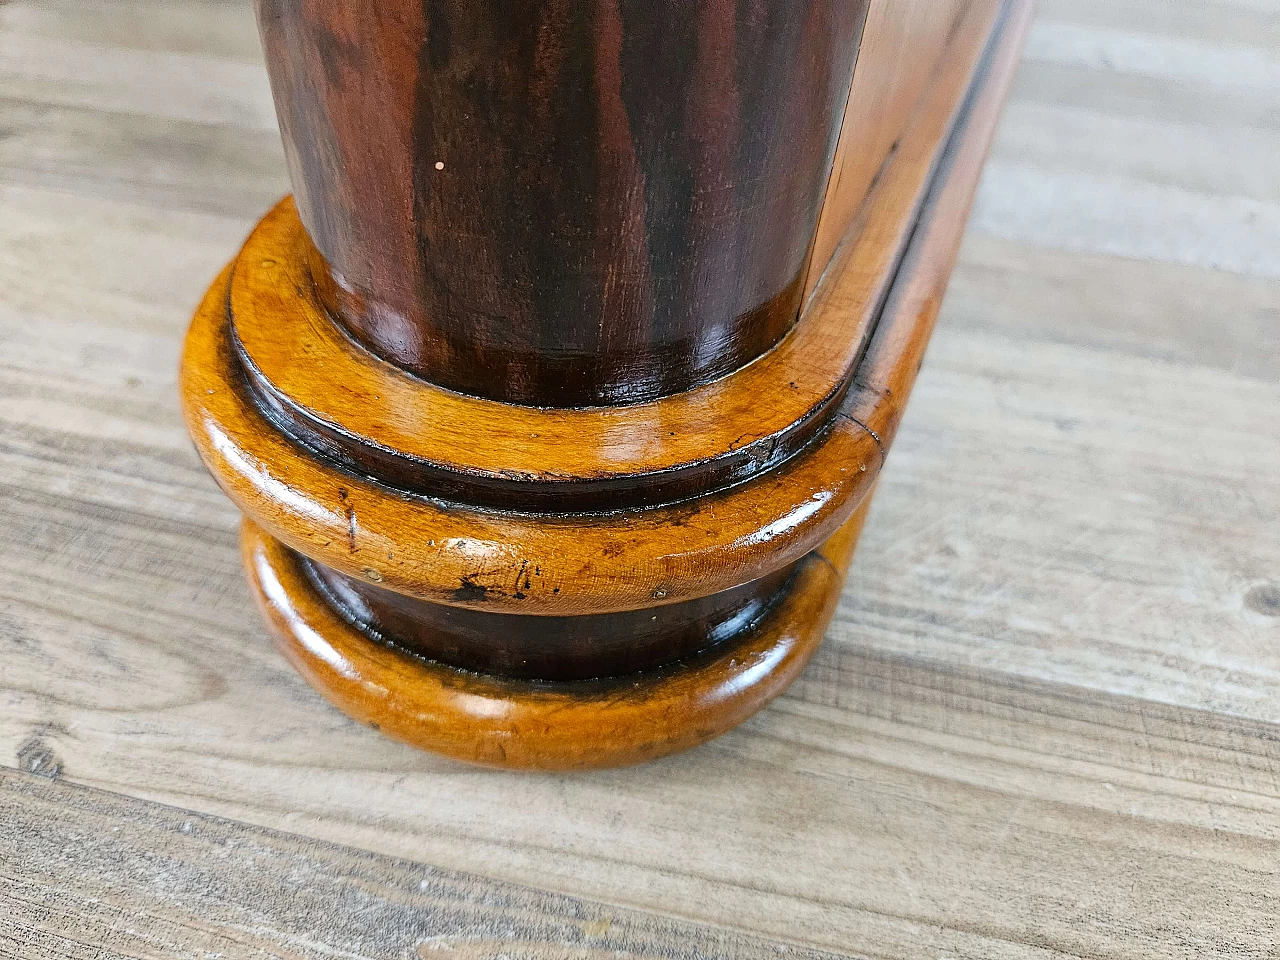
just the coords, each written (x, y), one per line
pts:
(1172, 164)
(201, 27)
(1126, 218)
(1065, 139)
(188, 87)
(162, 163)
(1045, 723)
(1112, 536)
(122, 266)
(1225, 22)
(1193, 317)
(94, 875)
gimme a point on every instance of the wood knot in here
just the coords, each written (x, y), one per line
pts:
(1264, 599)
(36, 757)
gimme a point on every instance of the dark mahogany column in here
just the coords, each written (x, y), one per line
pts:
(562, 202)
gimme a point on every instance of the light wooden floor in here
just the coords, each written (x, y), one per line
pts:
(1046, 722)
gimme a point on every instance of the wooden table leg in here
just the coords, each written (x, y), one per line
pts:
(553, 433)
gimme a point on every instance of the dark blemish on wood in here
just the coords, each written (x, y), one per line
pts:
(333, 53)
(1264, 599)
(471, 591)
(952, 30)
(36, 757)
(520, 576)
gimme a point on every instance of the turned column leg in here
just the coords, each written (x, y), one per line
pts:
(552, 437)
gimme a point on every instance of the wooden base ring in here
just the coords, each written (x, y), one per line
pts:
(501, 722)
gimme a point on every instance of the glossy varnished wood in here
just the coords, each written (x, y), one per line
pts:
(388, 424)
(563, 203)
(453, 553)
(379, 575)
(421, 437)
(905, 47)
(1043, 721)
(497, 721)
(579, 647)
(590, 563)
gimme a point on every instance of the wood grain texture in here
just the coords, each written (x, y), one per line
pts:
(475, 557)
(904, 44)
(385, 636)
(547, 647)
(1045, 720)
(562, 204)
(144, 880)
(581, 724)
(464, 555)
(414, 435)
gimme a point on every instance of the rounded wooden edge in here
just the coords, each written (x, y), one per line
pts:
(735, 426)
(607, 562)
(877, 399)
(687, 443)
(462, 555)
(538, 725)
